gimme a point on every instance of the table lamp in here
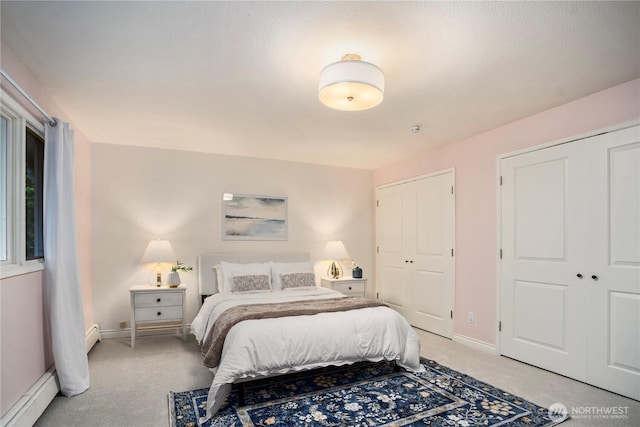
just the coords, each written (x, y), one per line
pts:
(159, 251)
(335, 251)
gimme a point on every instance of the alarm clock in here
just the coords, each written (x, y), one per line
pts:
(357, 273)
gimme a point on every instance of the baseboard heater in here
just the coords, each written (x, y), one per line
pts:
(93, 336)
(32, 404)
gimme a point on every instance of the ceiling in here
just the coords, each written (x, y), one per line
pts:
(241, 78)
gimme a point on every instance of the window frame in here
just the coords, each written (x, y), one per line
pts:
(18, 119)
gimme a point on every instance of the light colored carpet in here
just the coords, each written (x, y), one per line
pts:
(129, 387)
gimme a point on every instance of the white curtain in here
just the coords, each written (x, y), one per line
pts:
(63, 296)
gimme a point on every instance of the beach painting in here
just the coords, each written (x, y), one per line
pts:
(246, 217)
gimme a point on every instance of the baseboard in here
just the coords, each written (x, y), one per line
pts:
(477, 344)
(32, 404)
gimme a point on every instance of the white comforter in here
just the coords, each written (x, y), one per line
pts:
(255, 348)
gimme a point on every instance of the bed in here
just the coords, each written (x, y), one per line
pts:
(248, 329)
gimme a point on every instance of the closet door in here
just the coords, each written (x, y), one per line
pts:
(570, 269)
(415, 235)
(613, 319)
(543, 281)
(431, 291)
(393, 222)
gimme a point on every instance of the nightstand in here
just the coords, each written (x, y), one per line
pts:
(152, 304)
(348, 286)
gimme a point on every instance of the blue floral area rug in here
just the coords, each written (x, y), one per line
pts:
(365, 394)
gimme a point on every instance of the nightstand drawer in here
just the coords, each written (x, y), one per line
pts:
(353, 288)
(158, 299)
(147, 314)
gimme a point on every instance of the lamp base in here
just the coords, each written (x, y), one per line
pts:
(334, 271)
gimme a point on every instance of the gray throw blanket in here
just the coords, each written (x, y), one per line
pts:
(214, 341)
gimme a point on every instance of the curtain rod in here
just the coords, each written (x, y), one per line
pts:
(51, 120)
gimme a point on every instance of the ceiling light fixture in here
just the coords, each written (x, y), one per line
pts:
(351, 84)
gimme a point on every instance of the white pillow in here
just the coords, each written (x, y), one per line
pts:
(229, 270)
(218, 280)
(280, 268)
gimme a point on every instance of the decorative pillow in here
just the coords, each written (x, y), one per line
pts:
(230, 270)
(251, 283)
(298, 280)
(280, 268)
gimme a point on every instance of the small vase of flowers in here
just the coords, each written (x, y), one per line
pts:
(173, 278)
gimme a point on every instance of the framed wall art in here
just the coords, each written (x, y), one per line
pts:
(248, 217)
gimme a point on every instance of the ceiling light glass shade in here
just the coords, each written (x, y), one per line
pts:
(351, 84)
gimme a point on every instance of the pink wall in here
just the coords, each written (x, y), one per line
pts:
(26, 348)
(474, 160)
(25, 354)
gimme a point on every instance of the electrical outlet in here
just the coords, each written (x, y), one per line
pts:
(472, 317)
(123, 324)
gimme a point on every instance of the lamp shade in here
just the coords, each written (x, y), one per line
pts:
(351, 84)
(159, 251)
(335, 250)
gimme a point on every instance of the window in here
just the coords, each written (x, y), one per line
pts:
(21, 189)
(33, 195)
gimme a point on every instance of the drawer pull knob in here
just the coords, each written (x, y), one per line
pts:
(159, 313)
(158, 300)
(349, 287)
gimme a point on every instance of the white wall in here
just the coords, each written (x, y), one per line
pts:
(143, 193)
